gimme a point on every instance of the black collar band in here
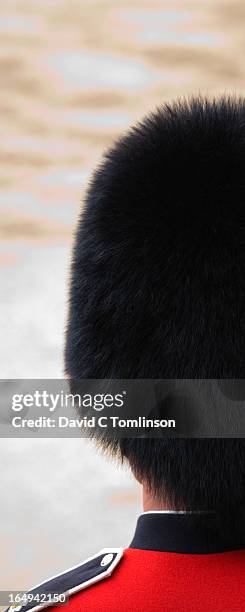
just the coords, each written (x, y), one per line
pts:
(193, 533)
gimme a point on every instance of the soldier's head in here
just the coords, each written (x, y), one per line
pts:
(158, 282)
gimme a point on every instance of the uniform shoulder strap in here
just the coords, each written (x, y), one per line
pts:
(70, 582)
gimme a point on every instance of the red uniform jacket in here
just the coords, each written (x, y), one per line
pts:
(175, 563)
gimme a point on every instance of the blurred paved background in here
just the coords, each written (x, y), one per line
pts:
(74, 75)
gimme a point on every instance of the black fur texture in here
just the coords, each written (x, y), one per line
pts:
(158, 280)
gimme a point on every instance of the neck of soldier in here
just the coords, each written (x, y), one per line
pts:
(151, 503)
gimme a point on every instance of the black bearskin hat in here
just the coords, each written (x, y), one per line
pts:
(158, 283)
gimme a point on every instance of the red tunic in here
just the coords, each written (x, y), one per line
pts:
(176, 563)
(168, 582)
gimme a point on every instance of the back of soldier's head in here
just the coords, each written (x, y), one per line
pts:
(158, 282)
